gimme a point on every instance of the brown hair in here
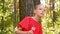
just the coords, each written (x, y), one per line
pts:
(36, 3)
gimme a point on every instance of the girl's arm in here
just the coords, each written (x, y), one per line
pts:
(19, 31)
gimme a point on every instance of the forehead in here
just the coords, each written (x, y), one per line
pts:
(40, 6)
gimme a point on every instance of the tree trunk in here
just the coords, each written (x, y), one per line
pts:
(26, 7)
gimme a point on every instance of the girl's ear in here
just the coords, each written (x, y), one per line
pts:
(34, 11)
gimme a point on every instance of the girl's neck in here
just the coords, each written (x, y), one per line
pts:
(36, 17)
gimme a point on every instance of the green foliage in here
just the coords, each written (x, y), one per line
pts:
(7, 17)
(50, 27)
(8, 22)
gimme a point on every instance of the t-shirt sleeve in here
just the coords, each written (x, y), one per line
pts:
(24, 23)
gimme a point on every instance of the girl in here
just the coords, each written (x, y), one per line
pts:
(30, 24)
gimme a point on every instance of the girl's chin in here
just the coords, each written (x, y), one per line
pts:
(41, 15)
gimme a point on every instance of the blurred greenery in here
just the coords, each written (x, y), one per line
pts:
(50, 26)
(9, 19)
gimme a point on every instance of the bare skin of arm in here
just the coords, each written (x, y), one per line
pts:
(19, 31)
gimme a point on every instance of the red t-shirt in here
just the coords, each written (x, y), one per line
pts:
(29, 23)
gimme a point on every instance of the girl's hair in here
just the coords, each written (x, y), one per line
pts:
(36, 2)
